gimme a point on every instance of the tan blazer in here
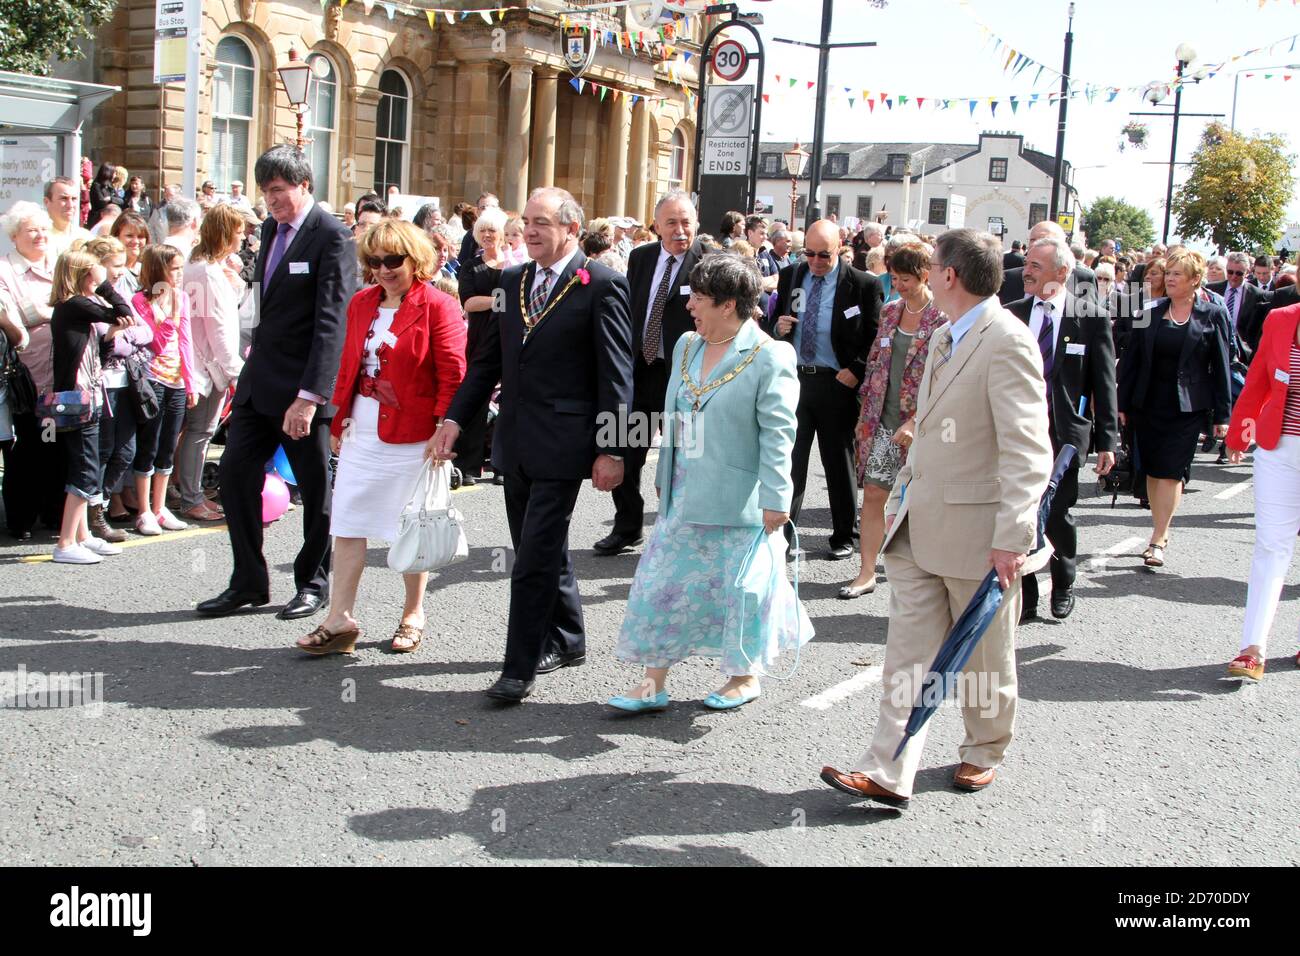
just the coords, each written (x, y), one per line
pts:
(981, 457)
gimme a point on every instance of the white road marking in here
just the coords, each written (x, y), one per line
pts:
(833, 695)
(1097, 562)
(1232, 490)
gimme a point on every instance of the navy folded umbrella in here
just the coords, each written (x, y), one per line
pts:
(974, 621)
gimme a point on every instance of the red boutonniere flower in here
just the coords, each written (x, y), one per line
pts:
(584, 276)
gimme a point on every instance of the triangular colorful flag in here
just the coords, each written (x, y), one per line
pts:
(993, 107)
(971, 103)
(811, 84)
(391, 10)
(767, 97)
(1014, 104)
(451, 17)
(431, 14)
(919, 101)
(487, 17)
(368, 5)
(901, 99)
(872, 105)
(793, 81)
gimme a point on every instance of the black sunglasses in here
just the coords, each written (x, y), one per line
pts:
(1235, 272)
(389, 262)
(809, 254)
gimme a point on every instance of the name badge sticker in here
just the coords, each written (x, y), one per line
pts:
(886, 341)
(1075, 348)
(1282, 376)
(299, 268)
(684, 290)
(388, 338)
(852, 311)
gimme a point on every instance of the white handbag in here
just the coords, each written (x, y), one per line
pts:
(430, 534)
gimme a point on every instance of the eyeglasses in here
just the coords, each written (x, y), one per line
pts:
(392, 262)
(809, 254)
(1235, 272)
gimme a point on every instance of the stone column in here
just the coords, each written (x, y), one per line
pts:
(541, 172)
(518, 124)
(639, 173)
(616, 165)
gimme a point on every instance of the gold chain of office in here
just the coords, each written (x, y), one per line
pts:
(530, 323)
(698, 391)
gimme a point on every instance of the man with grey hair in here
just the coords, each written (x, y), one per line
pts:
(657, 275)
(158, 221)
(1078, 354)
(1082, 281)
(871, 235)
(1242, 301)
(965, 501)
(182, 218)
(562, 351)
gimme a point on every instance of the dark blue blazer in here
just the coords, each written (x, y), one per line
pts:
(1203, 368)
(567, 385)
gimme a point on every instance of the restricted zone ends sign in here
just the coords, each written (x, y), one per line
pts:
(730, 60)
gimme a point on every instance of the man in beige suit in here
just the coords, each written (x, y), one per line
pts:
(965, 502)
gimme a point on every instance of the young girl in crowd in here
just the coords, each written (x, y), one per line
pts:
(117, 424)
(87, 312)
(165, 308)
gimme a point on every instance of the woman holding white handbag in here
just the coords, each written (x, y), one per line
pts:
(403, 359)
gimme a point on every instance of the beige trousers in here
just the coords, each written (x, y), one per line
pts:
(922, 608)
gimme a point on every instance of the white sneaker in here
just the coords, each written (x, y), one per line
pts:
(169, 522)
(100, 546)
(147, 524)
(77, 554)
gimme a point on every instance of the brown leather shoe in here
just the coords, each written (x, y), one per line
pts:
(972, 778)
(860, 785)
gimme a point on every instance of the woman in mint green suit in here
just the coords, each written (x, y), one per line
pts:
(724, 473)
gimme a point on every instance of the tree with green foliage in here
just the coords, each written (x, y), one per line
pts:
(1238, 190)
(1113, 218)
(33, 33)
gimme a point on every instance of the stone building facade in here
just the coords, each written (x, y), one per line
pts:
(443, 109)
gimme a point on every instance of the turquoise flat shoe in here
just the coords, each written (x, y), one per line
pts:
(638, 705)
(716, 701)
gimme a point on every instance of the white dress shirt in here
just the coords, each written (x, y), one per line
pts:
(556, 267)
(1039, 315)
(665, 258)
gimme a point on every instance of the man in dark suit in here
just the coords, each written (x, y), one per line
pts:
(1079, 365)
(1243, 301)
(829, 312)
(1082, 281)
(658, 275)
(304, 278)
(562, 351)
(1015, 258)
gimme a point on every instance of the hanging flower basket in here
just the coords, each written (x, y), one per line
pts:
(1136, 135)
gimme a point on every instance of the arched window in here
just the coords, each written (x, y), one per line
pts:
(322, 101)
(232, 111)
(392, 132)
(677, 161)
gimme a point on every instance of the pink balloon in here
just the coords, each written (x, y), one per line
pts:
(275, 498)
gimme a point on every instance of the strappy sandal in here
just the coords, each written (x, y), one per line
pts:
(1246, 665)
(407, 632)
(1154, 555)
(344, 642)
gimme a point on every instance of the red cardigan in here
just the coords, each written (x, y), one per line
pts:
(1257, 416)
(425, 367)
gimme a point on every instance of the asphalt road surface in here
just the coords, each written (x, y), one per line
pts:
(217, 743)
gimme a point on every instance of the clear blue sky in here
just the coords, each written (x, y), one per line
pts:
(933, 48)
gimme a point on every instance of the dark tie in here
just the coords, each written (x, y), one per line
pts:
(1046, 345)
(538, 299)
(654, 329)
(1232, 304)
(808, 344)
(278, 246)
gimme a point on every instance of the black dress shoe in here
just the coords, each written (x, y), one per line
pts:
(20, 535)
(1028, 614)
(304, 604)
(1062, 603)
(553, 660)
(510, 689)
(229, 601)
(468, 481)
(499, 478)
(616, 543)
(840, 552)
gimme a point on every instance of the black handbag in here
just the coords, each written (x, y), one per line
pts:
(143, 397)
(17, 381)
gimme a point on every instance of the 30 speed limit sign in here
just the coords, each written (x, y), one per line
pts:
(730, 60)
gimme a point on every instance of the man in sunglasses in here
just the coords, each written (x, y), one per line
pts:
(829, 312)
(1242, 300)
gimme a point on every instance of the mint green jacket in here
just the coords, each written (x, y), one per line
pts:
(738, 452)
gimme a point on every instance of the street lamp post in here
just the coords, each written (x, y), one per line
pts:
(1186, 54)
(1236, 79)
(296, 75)
(796, 158)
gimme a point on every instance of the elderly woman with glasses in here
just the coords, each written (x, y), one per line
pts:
(403, 358)
(724, 475)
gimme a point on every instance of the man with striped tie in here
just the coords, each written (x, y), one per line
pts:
(965, 502)
(1242, 301)
(562, 351)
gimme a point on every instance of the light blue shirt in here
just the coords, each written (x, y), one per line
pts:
(825, 353)
(963, 325)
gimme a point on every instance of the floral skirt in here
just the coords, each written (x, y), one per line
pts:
(880, 463)
(684, 601)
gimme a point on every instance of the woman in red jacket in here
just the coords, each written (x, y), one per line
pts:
(403, 358)
(1267, 414)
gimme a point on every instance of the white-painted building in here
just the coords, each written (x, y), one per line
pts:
(1006, 185)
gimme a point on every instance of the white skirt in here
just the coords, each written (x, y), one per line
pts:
(375, 479)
